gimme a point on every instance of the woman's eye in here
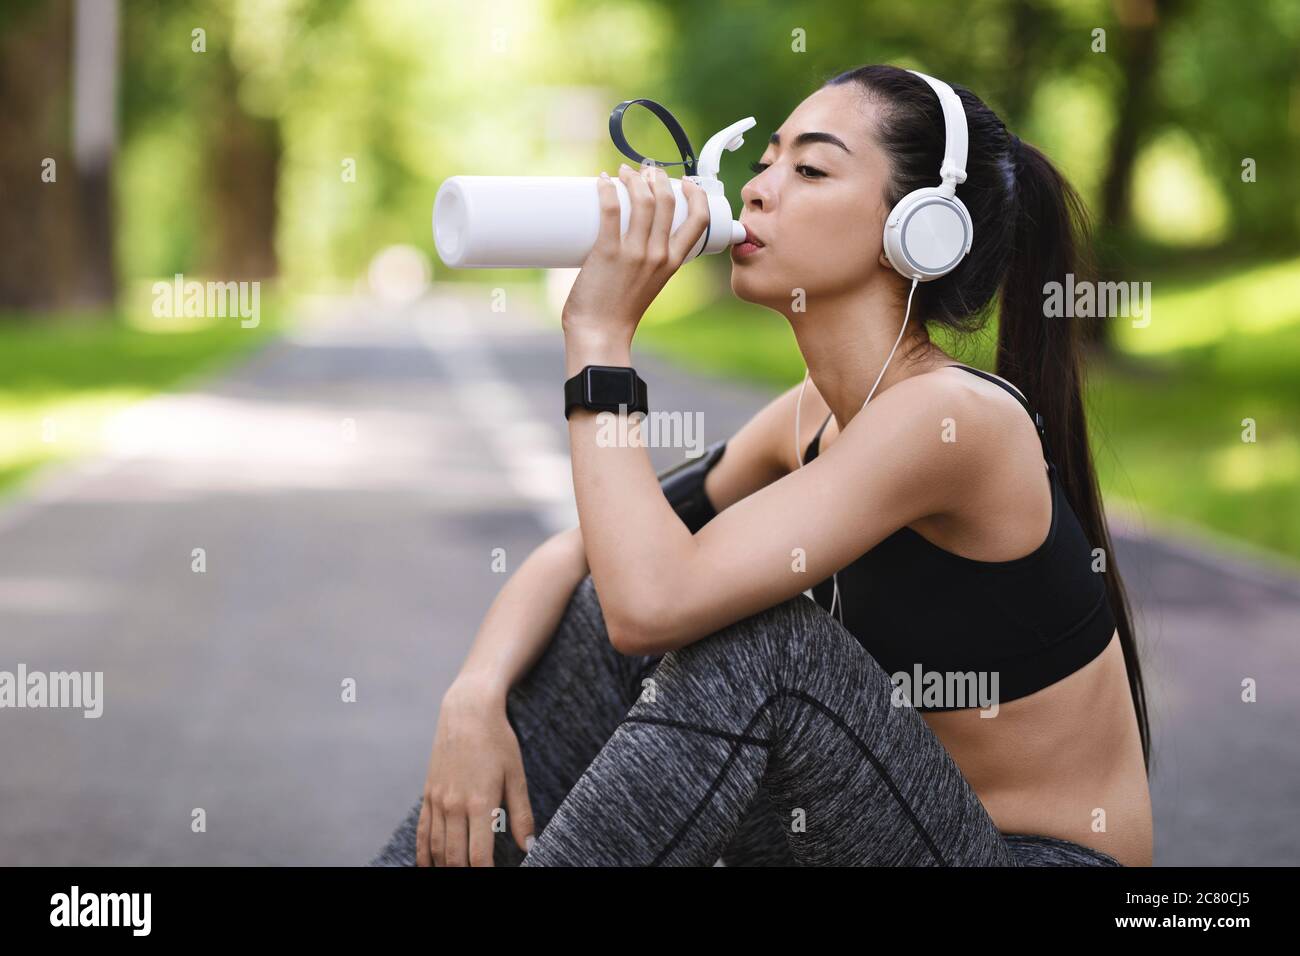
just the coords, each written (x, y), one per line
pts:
(807, 172)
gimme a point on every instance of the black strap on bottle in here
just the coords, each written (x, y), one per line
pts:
(687, 162)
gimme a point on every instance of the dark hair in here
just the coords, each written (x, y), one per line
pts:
(1031, 228)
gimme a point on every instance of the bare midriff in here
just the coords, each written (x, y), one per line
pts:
(1065, 761)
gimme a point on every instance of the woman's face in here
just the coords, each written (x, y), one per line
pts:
(817, 206)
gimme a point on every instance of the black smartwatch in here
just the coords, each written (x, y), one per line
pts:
(603, 388)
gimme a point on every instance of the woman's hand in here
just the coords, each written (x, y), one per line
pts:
(475, 763)
(623, 273)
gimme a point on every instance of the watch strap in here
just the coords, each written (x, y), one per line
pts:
(578, 390)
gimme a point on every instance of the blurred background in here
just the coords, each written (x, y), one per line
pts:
(331, 457)
(233, 163)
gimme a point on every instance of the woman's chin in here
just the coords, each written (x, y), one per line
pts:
(747, 290)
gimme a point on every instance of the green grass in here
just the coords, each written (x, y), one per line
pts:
(1165, 419)
(62, 377)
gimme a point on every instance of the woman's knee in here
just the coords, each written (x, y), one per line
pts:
(579, 654)
(781, 643)
(580, 634)
(583, 616)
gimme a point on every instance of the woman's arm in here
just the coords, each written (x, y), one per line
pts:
(525, 613)
(662, 587)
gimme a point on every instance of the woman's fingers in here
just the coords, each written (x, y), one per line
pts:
(455, 838)
(643, 211)
(610, 236)
(665, 208)
(481, 837)
(650, 235)
(437, 836)
(518, 806)
(689, 232)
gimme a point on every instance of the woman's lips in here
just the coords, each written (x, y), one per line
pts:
(747, 248)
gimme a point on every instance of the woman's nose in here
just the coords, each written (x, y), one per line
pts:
(754, 194)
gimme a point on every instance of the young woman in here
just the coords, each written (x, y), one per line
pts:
(657, 687)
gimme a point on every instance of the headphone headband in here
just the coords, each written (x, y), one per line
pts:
(929, 230)
(953, 170)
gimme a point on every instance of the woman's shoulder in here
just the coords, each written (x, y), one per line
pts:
(794, 417)
(956, 397)
(947, 425)
(942, 415)
(915, 411)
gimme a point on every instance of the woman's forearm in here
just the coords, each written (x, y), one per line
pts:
(635, 548)
(521, 619)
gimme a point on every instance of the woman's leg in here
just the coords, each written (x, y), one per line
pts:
(761, 837)
(1033, 849)
(785, 702)
(563, 712)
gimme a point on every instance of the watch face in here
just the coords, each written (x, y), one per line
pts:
(611, 386)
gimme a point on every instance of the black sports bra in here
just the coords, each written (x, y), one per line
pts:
(921, 609)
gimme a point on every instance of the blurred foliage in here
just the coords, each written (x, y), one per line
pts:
(234, 161)
(414, 92)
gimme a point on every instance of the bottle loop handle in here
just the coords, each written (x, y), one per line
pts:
(687, 162)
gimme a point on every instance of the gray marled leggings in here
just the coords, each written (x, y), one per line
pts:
(772, 742)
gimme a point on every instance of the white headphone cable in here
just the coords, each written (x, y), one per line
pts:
(798, 452)
(835, 580)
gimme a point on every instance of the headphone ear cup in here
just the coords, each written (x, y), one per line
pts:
(927, 234)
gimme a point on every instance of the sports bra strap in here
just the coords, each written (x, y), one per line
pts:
(1014, 393)
(815, 445)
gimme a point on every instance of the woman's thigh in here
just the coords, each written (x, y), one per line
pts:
(785, 703)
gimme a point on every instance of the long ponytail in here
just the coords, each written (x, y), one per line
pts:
(1041, 355)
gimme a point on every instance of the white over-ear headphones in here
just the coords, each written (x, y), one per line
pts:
(929, 232)
(926, 235)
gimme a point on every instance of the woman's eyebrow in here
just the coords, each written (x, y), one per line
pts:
(813, 137)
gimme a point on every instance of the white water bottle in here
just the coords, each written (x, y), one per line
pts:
(523, 222)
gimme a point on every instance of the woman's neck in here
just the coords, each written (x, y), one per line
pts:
(845, 342)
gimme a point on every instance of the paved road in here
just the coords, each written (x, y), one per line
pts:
(348, 486)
